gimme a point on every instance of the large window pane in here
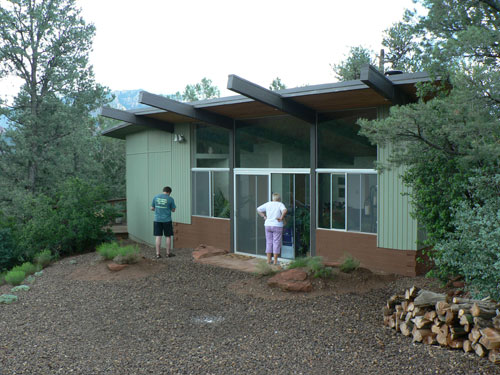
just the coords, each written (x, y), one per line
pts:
(339, 145)
(201, 193)
(220, 194)
(354, 202)
(338, 201)
(278, 142)
(369, 196)
(324, 199)
(212, 146)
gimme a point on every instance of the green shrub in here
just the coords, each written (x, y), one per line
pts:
(73, 222)
(349, 264)
(28, 268)
(15, 277)
(108, 250)
(298, 263)
(8, 298)
(2, 278)
(472, 249)
(314, 266)
(127, 255)
(43, 258)
(262, 268)
(9, 252)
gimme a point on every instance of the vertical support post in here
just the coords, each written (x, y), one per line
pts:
(313, 161)
(232, 218)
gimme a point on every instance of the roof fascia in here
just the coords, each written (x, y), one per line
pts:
(132, 118)
(371, 77)
(185, 109)
(271, 98)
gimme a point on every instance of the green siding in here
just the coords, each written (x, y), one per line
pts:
(181, 174)
(396, 228)
(155, 161)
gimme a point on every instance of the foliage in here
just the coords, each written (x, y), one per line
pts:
(277, 85)
(200, 91)
(15, 277)
(456, 125)
(27, 267)
(262, 268)
(472, 249)
(108, 250)
(20, 288)
(8, 298)
(349, 264)
(43, 258)
(51, 133)
(2, 277)
(127, 255)
(313, 265)
(221, 205)
(303, 223)
(350, 68)
(9, 253)
(72, 223)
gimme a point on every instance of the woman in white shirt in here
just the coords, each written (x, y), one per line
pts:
(273, 212)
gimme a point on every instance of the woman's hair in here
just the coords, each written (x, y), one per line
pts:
(276, 197)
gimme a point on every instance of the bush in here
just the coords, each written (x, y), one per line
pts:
(72, 223)
(472, 250)
(9, 253)
(2, 278)
(108, 250)
(314, 266)
(127, 255)
(28, 268)
(43, 258)
(349, 264)
(262, 268)
(15, 277)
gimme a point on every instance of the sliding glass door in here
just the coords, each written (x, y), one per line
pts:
(252, 190)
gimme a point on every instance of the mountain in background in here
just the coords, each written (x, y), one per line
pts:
(126, 99)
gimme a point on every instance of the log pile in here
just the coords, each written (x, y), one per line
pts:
(437, 319)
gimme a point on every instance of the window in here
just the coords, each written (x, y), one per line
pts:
(277, 142)
(210, 193)
(211, 147)
(348, 201)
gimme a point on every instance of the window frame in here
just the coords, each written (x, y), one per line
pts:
(211, 172)
(338, 171)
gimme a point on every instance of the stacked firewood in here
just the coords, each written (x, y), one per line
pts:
(438, 319)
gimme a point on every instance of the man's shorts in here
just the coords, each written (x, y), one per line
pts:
(163, 229)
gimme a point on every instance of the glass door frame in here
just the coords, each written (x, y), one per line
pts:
(261, 172)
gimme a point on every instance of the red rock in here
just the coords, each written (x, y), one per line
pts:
(294, 280)
(116, 267)
(204, 251)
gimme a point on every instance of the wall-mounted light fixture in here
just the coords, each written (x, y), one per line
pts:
(179, 138)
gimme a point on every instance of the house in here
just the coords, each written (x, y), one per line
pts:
(224, 157)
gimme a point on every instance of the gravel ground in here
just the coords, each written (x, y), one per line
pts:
(187, 319)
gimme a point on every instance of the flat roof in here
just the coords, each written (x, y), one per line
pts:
(329, 97)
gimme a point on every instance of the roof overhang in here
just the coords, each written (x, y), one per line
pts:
(372, 90)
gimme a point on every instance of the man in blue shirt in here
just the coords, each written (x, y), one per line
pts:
(163, 205)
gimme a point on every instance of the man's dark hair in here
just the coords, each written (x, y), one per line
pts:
(167, 189)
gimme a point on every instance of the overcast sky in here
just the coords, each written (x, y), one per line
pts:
(162, 45)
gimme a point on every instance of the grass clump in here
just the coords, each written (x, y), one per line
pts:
(28, 268)
(15, 276)
(349, 264)
(43, 258)
(314, 266)
(127, 255)
(108, 250)
(262, 268)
